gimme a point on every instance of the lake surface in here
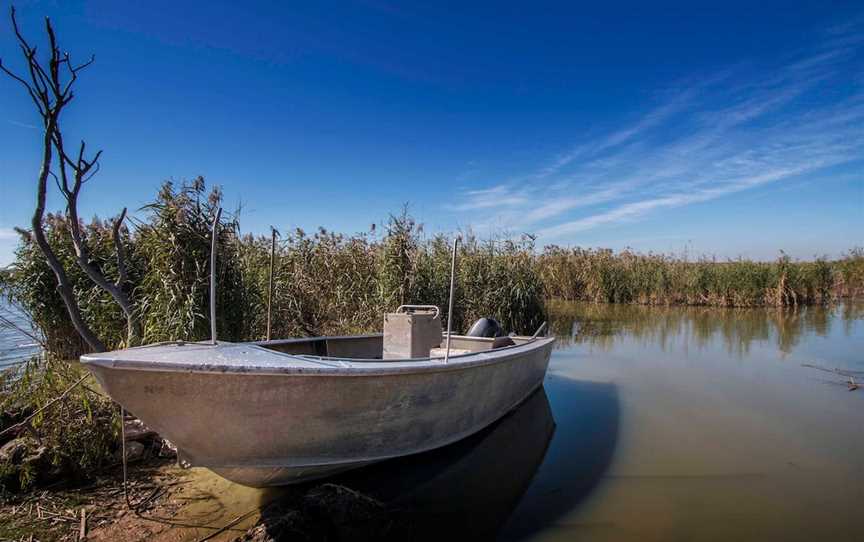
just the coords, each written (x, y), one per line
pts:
(16, 336)
(660, 424)
(701, 424)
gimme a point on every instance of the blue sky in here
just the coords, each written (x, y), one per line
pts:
(733, 129)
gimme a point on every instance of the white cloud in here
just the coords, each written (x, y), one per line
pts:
(719, 136)
(8, 233)
(22, 124)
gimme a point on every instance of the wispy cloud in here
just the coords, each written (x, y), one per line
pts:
(488, 198)
(7, 234)
(742, 128)
(615, 139)
(22, 124)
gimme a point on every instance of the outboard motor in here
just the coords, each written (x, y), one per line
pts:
(486, 327)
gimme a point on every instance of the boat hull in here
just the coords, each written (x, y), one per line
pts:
(267, 429)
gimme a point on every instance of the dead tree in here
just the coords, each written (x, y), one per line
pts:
(51, 89)
(80, 171)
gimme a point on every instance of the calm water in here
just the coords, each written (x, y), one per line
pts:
(661, 424)
(16, 336)
(695, 424)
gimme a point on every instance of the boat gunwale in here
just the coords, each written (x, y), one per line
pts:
(348, 367)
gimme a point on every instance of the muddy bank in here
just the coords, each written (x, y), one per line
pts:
(168, 504)
(172, 504)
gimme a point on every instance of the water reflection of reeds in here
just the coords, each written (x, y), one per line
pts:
(601, 325)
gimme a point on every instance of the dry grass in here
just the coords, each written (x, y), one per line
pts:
(324, 283)
(657, 279)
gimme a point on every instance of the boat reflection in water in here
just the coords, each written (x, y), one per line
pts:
(579, 457)
(508, 481)
(471, 487)
(468, 488)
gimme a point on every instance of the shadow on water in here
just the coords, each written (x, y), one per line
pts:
(472, 489)
(578, 457)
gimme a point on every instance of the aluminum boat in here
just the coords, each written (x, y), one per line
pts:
(283, 411)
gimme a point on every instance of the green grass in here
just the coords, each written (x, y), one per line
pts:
(77, 435)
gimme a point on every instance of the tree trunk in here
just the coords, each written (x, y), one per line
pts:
(64, 288)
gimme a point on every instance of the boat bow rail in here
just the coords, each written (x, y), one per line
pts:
(252, 358)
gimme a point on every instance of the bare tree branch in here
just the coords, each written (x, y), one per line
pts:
(82, 252)
(51, 94)
(122, 277)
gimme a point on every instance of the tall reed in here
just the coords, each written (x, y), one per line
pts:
(657, 279)
(325, 283)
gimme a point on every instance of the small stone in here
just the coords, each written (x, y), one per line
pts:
(134, 451)
(136, 430)
(167, 450)
(14, 451)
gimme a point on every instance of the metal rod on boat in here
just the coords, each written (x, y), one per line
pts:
(539, 330)
(273, 234)
(452, 293)
(213, 275)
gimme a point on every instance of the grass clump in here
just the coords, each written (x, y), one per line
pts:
(71, 436)
(172, 251)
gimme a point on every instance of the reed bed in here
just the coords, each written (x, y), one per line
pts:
(324, 282)
(657, 279)
(330, 283)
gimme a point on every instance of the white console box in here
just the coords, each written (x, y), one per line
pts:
(411, 334)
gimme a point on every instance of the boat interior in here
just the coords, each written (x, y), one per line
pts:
(412, 332)
(371, 347)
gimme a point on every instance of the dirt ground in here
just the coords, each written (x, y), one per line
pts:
(169, 504)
